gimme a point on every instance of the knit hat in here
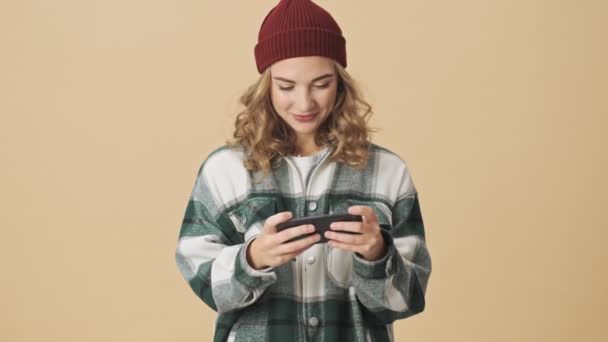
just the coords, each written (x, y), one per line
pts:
(298, 28)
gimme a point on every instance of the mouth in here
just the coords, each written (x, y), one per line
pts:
(307, 117)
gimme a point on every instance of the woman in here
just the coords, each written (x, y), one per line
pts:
(301, 148)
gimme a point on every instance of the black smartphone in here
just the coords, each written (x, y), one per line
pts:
(321, 223)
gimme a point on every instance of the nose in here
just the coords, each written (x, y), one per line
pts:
(305, 103)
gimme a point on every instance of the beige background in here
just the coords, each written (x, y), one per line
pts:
(108, 109)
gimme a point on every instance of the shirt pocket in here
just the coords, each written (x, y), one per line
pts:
(339, 265)
(251, 211)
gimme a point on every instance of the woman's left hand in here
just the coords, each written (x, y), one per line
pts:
(369, 244)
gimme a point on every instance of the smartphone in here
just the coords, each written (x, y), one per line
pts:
(321, 223)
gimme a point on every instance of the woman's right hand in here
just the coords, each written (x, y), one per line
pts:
(269, 247)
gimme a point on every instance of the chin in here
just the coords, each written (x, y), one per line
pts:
(307, 130)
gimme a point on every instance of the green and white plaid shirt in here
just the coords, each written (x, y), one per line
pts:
(324, 294)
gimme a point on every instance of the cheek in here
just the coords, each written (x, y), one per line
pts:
(280, 100)
(329, 98)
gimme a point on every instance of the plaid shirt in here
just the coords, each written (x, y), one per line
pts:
(324, 294)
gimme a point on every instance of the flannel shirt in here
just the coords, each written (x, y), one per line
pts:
(324, 294)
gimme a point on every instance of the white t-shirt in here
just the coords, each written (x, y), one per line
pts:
(306, 163)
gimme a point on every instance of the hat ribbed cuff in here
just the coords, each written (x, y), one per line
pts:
(300, 42)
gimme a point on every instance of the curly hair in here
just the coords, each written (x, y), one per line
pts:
(266, 137)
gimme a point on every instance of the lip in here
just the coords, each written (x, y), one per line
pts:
(305, 115)
(305, 118)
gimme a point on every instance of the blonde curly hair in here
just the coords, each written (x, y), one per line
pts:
(266, 137)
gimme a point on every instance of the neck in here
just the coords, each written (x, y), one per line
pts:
(306, 148)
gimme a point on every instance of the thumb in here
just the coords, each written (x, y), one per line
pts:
(272, 221)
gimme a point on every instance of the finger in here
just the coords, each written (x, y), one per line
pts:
(298, 245)
(368, 213)
(293, 232)
(344, 246)
(355, 227)
(272, 221)
(346, 238)
(292, 255)
(298, 252)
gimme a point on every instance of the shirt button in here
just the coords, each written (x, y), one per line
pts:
(311, 260)
(312, 205)
(313, 321)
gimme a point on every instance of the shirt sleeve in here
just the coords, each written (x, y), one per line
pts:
(394, 286)
(210, 252)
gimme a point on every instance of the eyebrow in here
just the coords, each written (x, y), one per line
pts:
(314, 80)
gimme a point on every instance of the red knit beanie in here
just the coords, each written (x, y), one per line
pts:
(298, 28)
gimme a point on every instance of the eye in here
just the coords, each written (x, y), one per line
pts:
(320, 86)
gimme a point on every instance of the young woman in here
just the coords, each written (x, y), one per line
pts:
(301, 148)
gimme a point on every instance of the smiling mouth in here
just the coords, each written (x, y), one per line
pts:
(305, 115)
(305, 118)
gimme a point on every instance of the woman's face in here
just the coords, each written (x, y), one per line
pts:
(303, 92)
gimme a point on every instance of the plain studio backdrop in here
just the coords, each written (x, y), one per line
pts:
(108, 108)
